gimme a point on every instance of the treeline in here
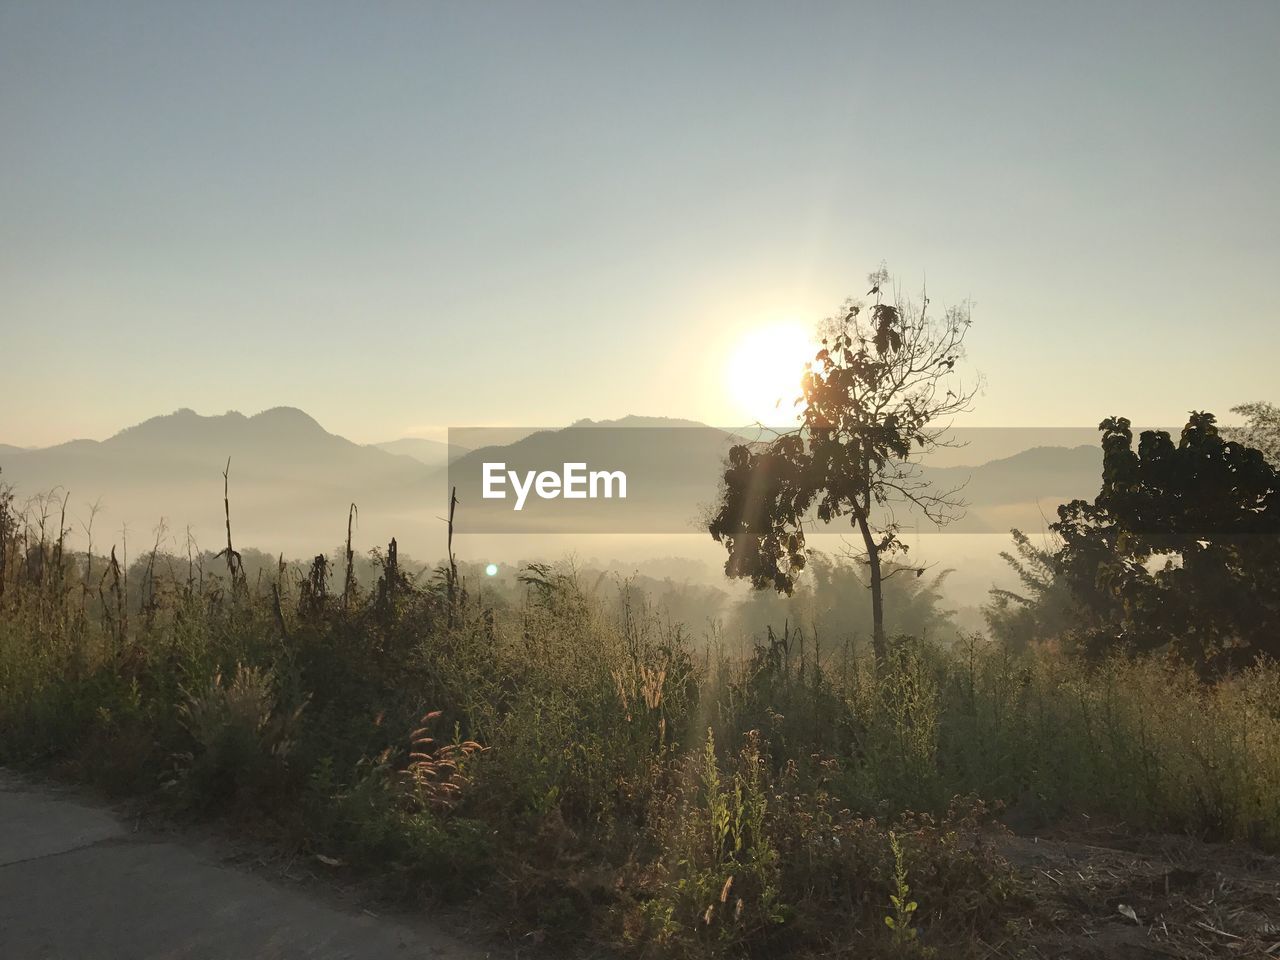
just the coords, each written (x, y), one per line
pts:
(1179, 554)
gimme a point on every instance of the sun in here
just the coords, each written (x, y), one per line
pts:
(763, 372)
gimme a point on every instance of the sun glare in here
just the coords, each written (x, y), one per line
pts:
(763, 372)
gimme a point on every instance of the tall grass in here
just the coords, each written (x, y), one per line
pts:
(594, 774)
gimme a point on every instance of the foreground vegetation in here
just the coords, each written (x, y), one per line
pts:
(575, 761)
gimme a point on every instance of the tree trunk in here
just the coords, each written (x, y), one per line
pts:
(878, 645)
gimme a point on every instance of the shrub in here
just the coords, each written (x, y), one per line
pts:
(240, 739)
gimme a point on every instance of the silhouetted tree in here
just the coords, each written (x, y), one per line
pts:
(831, 603)
(878, 394)
(1261, 429)
(1181, 548)
(1043, 609)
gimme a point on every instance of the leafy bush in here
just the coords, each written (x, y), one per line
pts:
(240, 739)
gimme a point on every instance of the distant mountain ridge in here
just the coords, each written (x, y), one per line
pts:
(283, 442)
(633, 421)
(286, 472)
(292, 481)
(185, 421)
(431, 453)
(1029, 475)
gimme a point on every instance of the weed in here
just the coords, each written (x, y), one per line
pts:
(900, 920)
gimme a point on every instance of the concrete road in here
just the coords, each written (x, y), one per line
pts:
(78, 884)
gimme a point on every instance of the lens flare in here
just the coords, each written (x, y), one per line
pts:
(763, 373)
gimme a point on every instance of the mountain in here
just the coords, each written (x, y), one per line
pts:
(1030, 475)
(432, 453)
(291, 482)
(287, 476)
(283, 443)
(1023, 490)
(632, 422)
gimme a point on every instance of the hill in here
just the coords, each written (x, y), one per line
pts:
(431, 453)
(1023, 489)
(288, 477)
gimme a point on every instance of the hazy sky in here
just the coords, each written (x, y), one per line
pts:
(401, 216)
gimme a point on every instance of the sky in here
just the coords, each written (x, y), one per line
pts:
(405, 216)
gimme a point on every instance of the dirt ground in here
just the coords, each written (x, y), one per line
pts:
(1103, 892)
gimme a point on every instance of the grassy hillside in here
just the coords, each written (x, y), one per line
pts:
(578, 770)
